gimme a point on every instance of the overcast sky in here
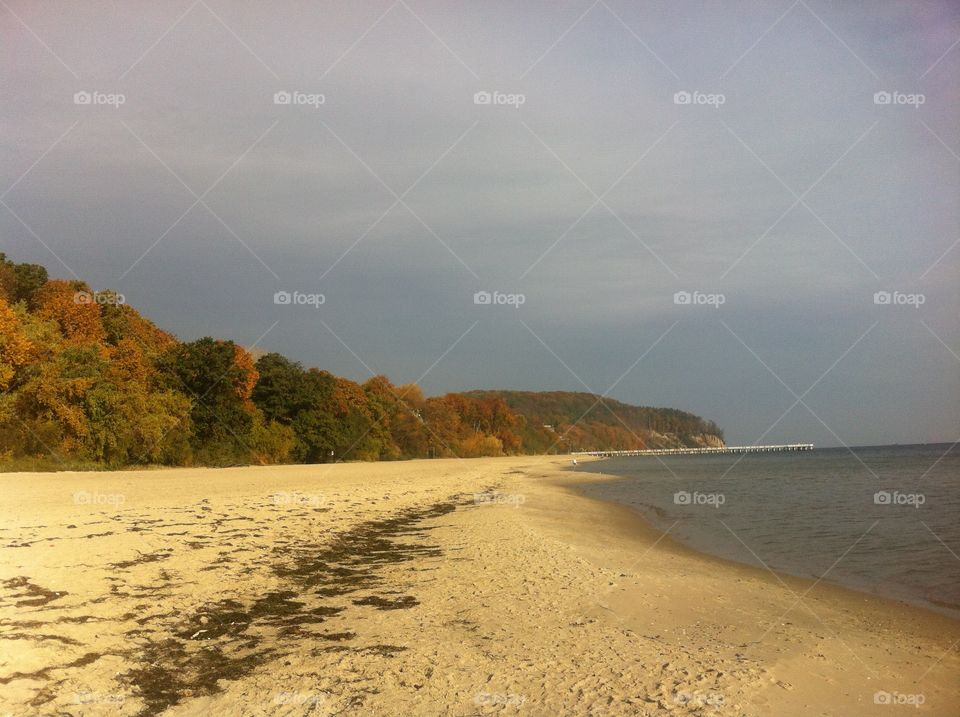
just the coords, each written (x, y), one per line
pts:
(786, 189)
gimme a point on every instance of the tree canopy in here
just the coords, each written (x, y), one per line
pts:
(93, 382)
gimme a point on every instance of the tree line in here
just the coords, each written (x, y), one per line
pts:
(575, 420)
(85, 380)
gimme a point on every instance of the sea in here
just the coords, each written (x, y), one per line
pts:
(879, 519)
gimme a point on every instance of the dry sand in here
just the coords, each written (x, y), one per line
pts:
(389, 589)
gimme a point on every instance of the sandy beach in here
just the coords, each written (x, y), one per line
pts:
(470, 587)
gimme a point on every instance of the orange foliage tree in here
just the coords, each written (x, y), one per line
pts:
(69, 304)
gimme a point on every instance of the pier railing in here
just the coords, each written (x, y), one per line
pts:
(699, 451)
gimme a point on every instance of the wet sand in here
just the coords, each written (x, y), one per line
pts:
(468, 587)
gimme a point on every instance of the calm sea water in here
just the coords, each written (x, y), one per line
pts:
(884, 520)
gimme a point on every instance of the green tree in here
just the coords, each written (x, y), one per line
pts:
(20, 281)
(222, 415)
(281, 391)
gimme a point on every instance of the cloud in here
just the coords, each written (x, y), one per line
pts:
(701, 197)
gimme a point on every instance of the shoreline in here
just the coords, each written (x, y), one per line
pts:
(868, 615)
(676, 544)
(480, 586)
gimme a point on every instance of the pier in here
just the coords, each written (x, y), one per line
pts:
(699, 451)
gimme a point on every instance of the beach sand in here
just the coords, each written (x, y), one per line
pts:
(471, 587)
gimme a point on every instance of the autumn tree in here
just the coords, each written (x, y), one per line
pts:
(67, 303)
(85, 379)
(445, 427)
(15, 347)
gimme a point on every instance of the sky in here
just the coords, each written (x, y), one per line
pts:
(685, 204)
